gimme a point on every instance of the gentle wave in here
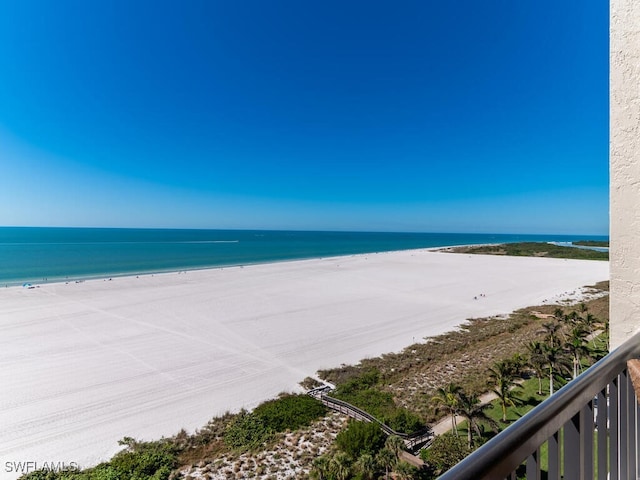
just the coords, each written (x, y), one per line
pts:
(212, 241)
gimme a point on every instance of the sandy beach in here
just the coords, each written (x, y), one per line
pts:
(84, 364)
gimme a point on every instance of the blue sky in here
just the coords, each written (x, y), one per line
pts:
(459, 116)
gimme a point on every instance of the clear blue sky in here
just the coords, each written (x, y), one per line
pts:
(452, 116)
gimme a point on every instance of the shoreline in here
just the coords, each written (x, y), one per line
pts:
(87, 278)
(151, 273)
(105, 276)
(146, 273)
(86, 364)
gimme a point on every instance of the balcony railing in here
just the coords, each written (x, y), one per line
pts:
(590, 427)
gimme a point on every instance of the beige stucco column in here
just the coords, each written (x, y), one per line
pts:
(625, 168)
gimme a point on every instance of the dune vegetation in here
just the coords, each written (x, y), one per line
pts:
(534, 249)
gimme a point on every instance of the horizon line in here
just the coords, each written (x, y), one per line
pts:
(70, 227)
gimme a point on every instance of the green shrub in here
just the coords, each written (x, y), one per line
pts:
(152, 460)
(360, 438)
(363, 393)
(290, 412)
(247, 431)
(365, 380)
(445, 451)
(42, 475)
(139, 461)
(405, 421)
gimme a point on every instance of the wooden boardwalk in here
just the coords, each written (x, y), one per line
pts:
(412, 441)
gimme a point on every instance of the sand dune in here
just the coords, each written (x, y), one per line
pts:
(84, 364)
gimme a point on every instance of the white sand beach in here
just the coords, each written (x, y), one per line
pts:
(85, 364)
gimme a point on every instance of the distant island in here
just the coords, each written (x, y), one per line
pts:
(534, 249)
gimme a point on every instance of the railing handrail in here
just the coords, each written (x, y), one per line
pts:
(503, 453)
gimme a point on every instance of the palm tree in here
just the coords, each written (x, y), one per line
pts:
(562, 318)
(341, 466)
(404, 471)
(590, 321)
(515, 364)
(537, 361)
(503, 372)
(507, 397)
(502, 377)
(552, 331)
(447, 399)
(387, 460)
(366, 465)
(556, 362)
(583, 307)
(321, 468)
(473, 411)
(573, 317)
(395, 444)
(576, 347)
(558, 314)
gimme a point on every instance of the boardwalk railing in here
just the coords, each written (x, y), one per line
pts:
(412, 441)
(590, 427)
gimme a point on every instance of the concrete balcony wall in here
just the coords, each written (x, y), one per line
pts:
(625, 168)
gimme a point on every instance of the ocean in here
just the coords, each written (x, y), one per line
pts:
(37, 255)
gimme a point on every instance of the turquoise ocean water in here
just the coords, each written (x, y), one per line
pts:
(29, 254)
